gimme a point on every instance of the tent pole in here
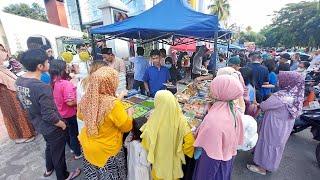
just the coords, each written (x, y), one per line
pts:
(215, 53)
(93, 45)
(228, 49)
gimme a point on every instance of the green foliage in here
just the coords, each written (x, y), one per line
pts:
(35, 11)
(297, 24)
(221, 8)
(250, 36)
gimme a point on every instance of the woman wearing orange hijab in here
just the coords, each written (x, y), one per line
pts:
(105, 120)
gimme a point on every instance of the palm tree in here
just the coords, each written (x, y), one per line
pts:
(221, 8)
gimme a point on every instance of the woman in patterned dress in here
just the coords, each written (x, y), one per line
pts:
(281, 109)
(105, 120)
(15, 119)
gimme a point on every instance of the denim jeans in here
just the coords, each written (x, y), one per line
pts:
(72, 136)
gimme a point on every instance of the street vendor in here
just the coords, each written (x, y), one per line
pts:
(197, 69)
(156, 75)
(117, 64)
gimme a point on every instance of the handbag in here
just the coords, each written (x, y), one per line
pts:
(252, 109)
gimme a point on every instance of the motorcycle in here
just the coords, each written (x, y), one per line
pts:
(310, 118)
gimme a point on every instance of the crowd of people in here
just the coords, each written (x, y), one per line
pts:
(80, 105)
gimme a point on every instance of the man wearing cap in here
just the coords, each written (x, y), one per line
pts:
(260, 74)
(117, 64)
(283, 64)
(234, 62)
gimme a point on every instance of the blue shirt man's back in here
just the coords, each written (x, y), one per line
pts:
(260, 74)
(155, 77)
(140, 66)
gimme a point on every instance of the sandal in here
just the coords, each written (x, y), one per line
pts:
(24, 140)
(74, 174)
(256, 169)
(47, 173)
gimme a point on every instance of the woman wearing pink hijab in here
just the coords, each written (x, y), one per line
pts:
(221, 131)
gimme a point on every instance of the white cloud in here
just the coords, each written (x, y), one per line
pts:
(255, 13)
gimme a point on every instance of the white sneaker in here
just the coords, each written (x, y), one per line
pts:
(78, 157)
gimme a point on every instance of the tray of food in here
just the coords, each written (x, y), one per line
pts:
(182, 98)
(140, 96)
(140, 110)
(196, 107)
(185, 81)
(194, 124)
(191, 90)
(149, 103)
(135, 100)
(127, 104)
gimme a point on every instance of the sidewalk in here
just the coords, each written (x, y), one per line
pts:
(3, 130)
(27, 161)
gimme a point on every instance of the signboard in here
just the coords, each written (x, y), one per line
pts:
(119, 16)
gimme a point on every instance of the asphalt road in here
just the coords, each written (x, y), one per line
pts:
(26, 161)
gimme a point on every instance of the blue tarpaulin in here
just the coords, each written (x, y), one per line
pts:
(167, 18)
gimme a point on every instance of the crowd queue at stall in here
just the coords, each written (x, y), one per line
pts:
(84, 104)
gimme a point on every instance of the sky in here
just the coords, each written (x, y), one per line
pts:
(254, 13)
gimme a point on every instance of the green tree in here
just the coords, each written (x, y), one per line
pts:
(35, 11)
(251, 36)
(221, 8)
(297, 24)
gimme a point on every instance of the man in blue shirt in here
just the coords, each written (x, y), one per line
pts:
(260, 75)
(140, 66)
(155, 75)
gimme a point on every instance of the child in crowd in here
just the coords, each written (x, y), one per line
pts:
(248, 81)
(167, 137)
(64, 93)
(250, 101)
(138, 166)
(36, 97)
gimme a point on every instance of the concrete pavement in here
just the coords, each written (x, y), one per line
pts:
(26, 161)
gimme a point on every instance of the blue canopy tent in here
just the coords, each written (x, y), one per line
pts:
(166, 22)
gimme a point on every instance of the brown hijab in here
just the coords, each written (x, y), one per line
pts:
(99, 98)
(7, 78)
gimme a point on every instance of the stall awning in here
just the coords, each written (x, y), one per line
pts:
(169, 18)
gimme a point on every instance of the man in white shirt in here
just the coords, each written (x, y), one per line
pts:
(117, 64)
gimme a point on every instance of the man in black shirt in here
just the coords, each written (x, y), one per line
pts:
(36, 98)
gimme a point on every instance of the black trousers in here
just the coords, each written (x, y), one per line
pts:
(72, 135)
(139, 84)
(55, 153)
(194, 76)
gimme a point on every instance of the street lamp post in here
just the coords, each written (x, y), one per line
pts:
(79, 13)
